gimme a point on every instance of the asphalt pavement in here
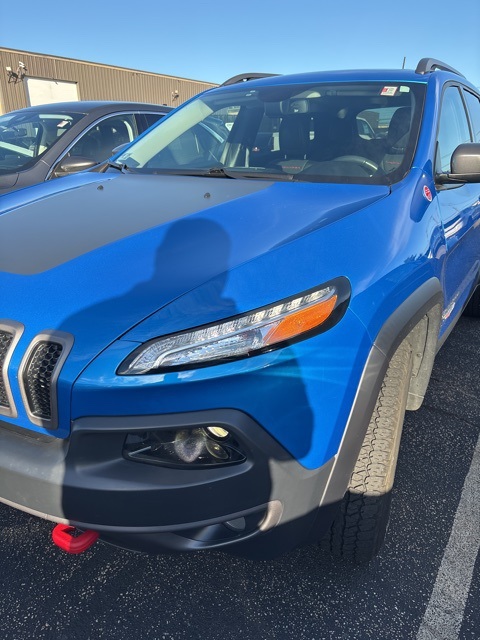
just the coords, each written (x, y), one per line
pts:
(424, 585)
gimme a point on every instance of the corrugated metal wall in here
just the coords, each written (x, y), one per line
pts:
(94, 81)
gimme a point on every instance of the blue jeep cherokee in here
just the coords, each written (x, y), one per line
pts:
(211, 341)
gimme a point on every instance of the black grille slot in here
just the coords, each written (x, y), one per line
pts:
(37, 378)
(6, 340)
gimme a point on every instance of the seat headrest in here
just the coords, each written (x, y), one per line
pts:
(399, 127)
(294, 136)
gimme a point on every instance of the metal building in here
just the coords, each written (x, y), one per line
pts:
(28, 78)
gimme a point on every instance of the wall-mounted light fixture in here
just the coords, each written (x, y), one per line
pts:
(175, 95)
(18, 75)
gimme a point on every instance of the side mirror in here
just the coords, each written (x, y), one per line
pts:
(73, 164)
(465, 165)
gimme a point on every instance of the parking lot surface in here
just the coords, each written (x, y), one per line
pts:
(424, 585)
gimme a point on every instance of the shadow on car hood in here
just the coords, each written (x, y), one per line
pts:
(97, 259)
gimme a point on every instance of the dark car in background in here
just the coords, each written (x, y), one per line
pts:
(54, 140)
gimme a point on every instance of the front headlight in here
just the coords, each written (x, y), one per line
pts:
(260, 330)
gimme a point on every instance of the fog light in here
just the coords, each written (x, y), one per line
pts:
(218, 432)
(216, 450)
(191, 448)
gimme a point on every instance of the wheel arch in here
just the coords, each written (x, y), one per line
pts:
(417, 320)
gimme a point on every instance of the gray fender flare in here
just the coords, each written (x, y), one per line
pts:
(417, 319)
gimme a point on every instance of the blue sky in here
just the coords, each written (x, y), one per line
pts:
(212, 41)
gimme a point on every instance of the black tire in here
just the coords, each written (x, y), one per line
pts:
(359, 529)
(473, 307)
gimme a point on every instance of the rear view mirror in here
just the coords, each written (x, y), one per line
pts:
(7, 134)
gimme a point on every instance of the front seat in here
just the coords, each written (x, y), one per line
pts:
(397, 139)
(293, 140)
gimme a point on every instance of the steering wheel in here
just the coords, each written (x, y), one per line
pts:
(368, 165)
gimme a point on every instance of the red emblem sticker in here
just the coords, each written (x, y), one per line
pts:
(427, 193)
(388, 91)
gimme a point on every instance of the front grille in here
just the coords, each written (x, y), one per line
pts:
(38, 378)
(6, 340)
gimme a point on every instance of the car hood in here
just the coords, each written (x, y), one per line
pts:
(96, 258)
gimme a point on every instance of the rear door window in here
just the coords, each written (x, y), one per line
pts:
(146, 120)
(473, 105)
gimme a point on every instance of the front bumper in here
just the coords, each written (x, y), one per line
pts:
(262, 507)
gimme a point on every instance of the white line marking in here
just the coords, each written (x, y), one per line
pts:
(444, 614)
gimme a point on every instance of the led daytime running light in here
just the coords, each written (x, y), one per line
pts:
(237, 337)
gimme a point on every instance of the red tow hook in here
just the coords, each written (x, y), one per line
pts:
(63, 536)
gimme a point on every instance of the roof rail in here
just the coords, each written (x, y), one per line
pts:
(427, 65)
(245, 77)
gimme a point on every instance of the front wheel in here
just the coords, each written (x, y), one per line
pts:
(359, 529)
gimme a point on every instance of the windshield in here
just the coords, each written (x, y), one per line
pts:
(355, 133)
(25, 137)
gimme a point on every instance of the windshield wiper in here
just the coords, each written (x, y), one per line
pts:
(268, 175)
(215, 172)
(101, 167)
(118, 165)
(221, 172)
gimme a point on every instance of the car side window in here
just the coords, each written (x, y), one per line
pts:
(150, 118)
(100, 140)
(473, 106)
(453, 129)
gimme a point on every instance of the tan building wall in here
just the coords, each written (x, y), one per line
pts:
(94, 81)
